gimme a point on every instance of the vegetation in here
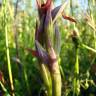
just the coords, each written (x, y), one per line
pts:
(47, 50)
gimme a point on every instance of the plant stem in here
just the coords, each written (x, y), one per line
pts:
(7, 47)
(76, 72)
(89, 48)
(46, 78)
(26, 81)
(3, 87)
(56, 80)
(8, 60)
(9, 64)
(77, 62)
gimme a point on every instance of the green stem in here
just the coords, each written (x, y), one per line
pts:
(7, 47)
(26, 81)
(8, 61)
(4, 89)
(46, 78)
(76, 80)
(77, 62)
(56, 80)
(89, 48)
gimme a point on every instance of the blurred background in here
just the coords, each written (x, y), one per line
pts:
(20, 19)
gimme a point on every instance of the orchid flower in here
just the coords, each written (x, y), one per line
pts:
(47, 32)
(47, 41)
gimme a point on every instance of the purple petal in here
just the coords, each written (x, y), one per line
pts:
(55, 11)
(43, 56)
(58, 11)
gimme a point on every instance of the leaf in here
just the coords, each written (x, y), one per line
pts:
(58, 11)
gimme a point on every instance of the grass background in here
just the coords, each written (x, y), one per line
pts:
(19, 19)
